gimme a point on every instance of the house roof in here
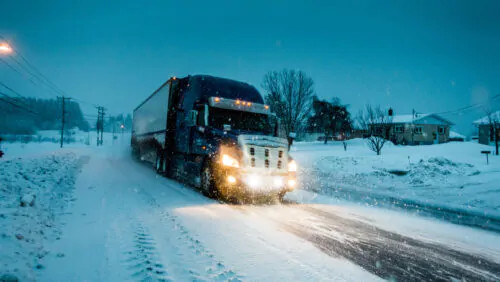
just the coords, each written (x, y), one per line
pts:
(454, 134)
(486, 120)
(418, 117)
(406, 118)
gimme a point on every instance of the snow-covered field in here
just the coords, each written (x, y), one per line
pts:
(97, 215)
(453, 175)
(81, 140)
(34, 194)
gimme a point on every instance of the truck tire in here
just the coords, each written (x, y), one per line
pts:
(159, 162)
(208, 185)
(281, 196)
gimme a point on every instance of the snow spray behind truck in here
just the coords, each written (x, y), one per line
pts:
(215, 134)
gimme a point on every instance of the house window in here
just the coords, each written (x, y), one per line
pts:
(399, 129)
(419, 130)
(441, 130)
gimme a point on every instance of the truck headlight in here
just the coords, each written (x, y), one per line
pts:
(230, 161)
(292, 166)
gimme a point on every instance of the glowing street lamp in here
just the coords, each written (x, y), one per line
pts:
(122, 127)
(5, 48)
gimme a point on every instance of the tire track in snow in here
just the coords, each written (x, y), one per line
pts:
(209, 268)
(390, 255)
(143, 260)
(174, 237)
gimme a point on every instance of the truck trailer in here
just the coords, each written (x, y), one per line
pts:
(215, 134)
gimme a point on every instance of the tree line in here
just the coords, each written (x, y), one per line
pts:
(44, 114)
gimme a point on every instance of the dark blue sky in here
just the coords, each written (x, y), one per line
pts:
(433, 56)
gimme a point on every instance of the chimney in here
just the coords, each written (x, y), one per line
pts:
(391, 112)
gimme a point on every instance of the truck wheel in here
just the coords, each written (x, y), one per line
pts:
(159, 162)
(281, 196)
(208, 185)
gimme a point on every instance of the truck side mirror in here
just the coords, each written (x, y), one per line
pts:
(191, 118)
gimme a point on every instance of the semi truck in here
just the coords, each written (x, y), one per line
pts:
(215, 134)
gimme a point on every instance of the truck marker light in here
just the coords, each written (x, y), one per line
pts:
(266, 107)
(238, 102)
(231, 179)
(243, 103)
(249, 104)
(291, 182)
(203, 147)
(217, 99)
(292, 166)
(174, 78)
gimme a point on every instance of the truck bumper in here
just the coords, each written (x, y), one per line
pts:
(240, 183)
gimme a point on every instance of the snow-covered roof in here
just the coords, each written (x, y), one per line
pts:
(486, 120)
(406, 118)
(418, 118)
(454, 134)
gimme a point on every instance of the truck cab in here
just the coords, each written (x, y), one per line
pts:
(222, 138)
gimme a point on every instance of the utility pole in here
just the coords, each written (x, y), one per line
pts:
(412, 127)
(63, 116)
(100, 124)
(114, 131)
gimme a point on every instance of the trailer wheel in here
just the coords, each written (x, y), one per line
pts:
(208, 185)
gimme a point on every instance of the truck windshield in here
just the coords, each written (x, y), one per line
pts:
(240, 120)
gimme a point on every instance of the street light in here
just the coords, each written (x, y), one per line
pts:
(122, 127)
(5, 48)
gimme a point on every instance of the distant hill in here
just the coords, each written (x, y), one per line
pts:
(14, 120)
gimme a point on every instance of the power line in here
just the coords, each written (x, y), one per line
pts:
(11, 67)
(44, 79)
(11, 90)
(15, 105)
(15, 92)
(37, 71)
(17, 71)
(84, 102)
(470, 107)
(59, 92)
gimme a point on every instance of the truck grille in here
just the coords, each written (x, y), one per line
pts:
(271, 158)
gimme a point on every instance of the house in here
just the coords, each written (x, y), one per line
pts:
(418, 129)
(486, 132)
(457, 137)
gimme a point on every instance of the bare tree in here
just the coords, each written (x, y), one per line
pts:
(494, 126)
(290, 95)
(377, 124)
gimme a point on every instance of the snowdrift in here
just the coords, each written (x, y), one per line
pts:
(34, 194)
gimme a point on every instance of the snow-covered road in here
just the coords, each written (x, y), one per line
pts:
(128, 224)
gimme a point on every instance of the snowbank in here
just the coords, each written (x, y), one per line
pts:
(452, 175)
(34, 193)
